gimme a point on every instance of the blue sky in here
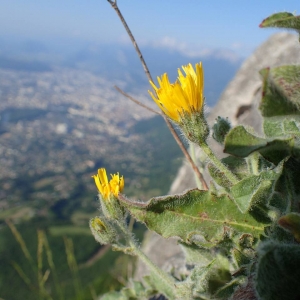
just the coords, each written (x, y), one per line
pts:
(191, 26)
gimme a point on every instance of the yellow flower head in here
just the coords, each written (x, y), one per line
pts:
(185, 95)
(105, 187)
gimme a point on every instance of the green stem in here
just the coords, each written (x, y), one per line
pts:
(193, 155)
(167, 279)
(222, 168)
(159, 272)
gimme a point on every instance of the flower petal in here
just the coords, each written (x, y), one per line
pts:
(186, 94)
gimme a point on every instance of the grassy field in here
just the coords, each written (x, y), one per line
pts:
(19, 275)
(69, 230)
(65, 221)
(83, 267)
(19, 213)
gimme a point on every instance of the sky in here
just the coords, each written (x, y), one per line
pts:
(193, 27)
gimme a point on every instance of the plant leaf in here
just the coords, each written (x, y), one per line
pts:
(256, 189)
(278, 272)
(282, 20)
(241, 143)
(281, 91)
(282, 126)
(238, 166)
(197, 255)
(194, 215)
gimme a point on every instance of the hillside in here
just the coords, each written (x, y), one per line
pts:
(60, 120)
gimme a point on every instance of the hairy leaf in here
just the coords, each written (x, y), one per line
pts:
(194, 215)
(282, 126)
(280, 91)
(197, 255)
(238, 166)
(241, 143)
(282, 20)
(256, 189)
(278, 272)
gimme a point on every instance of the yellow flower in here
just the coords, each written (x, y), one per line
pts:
(185, 95)
(105, 187)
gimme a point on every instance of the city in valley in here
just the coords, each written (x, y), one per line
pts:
(57, 127)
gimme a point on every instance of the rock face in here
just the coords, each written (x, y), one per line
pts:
(239, 102)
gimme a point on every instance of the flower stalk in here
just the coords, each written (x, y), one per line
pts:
(218, 164)
(183, 102)
(105, 228)
(169, 281)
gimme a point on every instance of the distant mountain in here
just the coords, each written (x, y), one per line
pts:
(121, 62)
(60, 120)
(59, 98)
(117, 62)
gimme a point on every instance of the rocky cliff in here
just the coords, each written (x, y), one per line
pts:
(239, 102)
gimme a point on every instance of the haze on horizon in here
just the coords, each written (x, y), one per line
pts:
(195, 29)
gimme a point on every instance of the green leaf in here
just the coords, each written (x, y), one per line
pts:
(134, 291)
(282, 20)
(278, 272)
(227, 290)
(195, 254)
(278, 201)
(219, 277)
(282, 126)
(281, 91)
(278, 149)
(113, 295)
(238, 166)
(197, 281)
(255, 190)
(195, 215)
(157, 284)
(242, 257)
(291, 182)
(257, 163)
(241, 143)
(287, 189)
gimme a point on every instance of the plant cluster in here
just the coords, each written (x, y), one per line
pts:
(241, 235)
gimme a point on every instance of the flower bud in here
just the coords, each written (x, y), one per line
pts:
(220, 129)
(195, 127)
(103, 231)
(108, 192)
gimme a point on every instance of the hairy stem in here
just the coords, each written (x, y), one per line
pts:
(218, 164)
(193, 156)
(169, 282)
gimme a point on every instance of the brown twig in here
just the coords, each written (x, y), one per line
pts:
(169, 124)
(116, 8)
(187, 155)
(136, 101)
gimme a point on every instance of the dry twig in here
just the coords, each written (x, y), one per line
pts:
(169, 124)
(136, 101)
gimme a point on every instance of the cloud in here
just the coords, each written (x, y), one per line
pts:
(121, 58)
(188, 49)
(237, 46)
(192, 51)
